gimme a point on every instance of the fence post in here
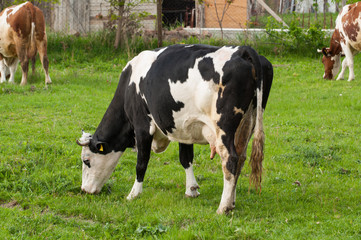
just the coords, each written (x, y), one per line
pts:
(159, 22)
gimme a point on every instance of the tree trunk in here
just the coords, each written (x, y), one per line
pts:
(118, 35)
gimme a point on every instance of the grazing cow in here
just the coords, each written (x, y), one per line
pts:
(189, 94)
(22, 35)
(347, 39)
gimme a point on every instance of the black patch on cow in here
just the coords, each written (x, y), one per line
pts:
(115, 131)
(186, 155)
(136, 109)
(206, 68)
(171, 65)
(87, 163)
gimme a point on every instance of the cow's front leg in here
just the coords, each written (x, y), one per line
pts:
(186, 159)
(144, 143)
(349, 60)
(3, 68)
(12, 67)
(342, 73)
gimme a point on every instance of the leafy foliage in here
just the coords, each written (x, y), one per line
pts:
(296, 39)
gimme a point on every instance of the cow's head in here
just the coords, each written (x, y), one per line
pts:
(98, 163)
(331, 62)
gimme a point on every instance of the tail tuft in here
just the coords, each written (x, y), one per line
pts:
(256, 159)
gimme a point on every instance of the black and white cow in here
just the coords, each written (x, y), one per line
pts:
(189, 94)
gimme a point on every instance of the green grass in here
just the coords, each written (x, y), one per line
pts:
(312, 136)
(303, 20)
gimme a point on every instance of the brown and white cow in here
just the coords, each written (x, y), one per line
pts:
(22, 35)
(345, 39)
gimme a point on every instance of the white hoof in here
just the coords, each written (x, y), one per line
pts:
(136, 190)
(192, 192)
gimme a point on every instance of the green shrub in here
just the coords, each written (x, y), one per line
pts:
(297, 40)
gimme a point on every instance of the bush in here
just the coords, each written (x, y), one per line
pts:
(297, 40)
(99, 45)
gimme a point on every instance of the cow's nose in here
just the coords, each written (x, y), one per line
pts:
(93, 190)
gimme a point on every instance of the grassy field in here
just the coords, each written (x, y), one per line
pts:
(312, 167)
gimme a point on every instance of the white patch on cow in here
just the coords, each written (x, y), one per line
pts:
(136, 190)
(191, 183)
(152, 127)
(4, 70)
(14, 9)
(101, 166)
(32, 32)
(4, 36)
(141, 65)
(259, 119)
(228, 195)
(337, 63)
(200, 106)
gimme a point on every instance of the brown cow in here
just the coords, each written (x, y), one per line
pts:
(22, 35)
(347, 39)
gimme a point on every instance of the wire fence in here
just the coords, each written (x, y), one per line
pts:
(225, 14)
(84, 16)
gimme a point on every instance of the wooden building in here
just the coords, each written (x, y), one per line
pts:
(235, 15)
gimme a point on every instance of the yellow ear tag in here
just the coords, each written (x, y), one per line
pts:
(101, 148)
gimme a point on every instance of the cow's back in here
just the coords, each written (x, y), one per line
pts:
(348, 23)
(182, 86)
(19, 25)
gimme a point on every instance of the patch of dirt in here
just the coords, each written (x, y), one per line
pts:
(11, 204)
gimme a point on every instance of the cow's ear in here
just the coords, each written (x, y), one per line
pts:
(324, 51)
(102, 147)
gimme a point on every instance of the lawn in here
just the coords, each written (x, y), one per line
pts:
(312, 166)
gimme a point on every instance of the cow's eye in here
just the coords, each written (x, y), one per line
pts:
(87, 162)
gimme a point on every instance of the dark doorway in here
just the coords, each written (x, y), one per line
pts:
(178, 13)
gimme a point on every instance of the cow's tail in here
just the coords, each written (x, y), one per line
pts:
(258, 142)
(258, 137)
(32, 49)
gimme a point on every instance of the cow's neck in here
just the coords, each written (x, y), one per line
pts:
(115, 128)
(335, 45)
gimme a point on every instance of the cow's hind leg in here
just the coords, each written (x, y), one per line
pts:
(33, 60)
(24, 62)
(233, 160)
(186, 159)
(42, 49)
(230, 169)
(144, 143)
